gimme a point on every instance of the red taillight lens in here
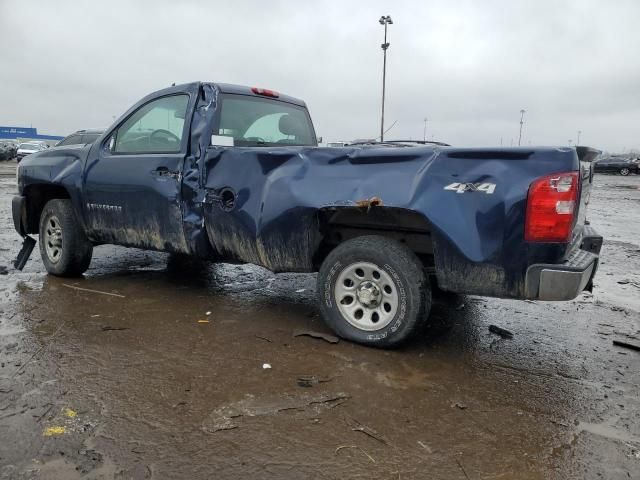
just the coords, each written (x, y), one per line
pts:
(551, 208)
(265, 92)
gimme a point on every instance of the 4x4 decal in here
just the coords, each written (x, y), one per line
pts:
(487, 188)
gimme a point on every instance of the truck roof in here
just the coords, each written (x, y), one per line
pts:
(244, 90)
(226, 88)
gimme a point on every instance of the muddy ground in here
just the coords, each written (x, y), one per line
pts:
(145, 383)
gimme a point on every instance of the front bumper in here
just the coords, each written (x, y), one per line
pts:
(565, 281)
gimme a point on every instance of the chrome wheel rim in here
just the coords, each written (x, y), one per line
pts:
(624, 171)
(53, 239)
(366, 296)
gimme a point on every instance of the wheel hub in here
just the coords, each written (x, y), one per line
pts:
(366, 295)
(53, 239)
(369, 294)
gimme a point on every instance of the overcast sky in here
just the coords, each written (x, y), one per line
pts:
(468, 66)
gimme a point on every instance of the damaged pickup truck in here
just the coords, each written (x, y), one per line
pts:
(234, 174)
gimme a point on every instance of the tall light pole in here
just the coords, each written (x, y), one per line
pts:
(578, 139)
(522, 112)
(424, 134)
(384, 20)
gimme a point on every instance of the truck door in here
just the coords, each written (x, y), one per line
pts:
(132, 180)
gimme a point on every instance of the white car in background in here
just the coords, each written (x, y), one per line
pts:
(28, 148)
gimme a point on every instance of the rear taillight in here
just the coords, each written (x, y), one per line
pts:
(551, 208)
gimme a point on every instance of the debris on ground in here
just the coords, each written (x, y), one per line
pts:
(310, 380)
(108, 328)
(307, 381)
(3, 270)
(266, 366)
(356, 426)
(208, 313)
(460, 406)
(203, 321)
(500, 331)
(92, 291)
(264, 338)
(425, 446)
(68, 412)
(300, 290)
(89, 460)
(355, 446)
(630, 346)
(323, 336)
(53, 431)
(226, 417)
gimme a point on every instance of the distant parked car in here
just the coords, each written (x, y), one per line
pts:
(81, 137)
(8, 150)
(623, 166)
(28, 148)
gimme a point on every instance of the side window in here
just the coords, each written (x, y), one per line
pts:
(156, 127)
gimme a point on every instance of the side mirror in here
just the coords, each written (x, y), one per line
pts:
(319, 139)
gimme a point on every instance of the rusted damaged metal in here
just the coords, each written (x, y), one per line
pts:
(369, 202)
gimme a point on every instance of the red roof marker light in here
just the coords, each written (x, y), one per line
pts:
(265, 92)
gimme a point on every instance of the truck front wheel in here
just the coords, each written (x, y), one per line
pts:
(373, 290)
(64, 247)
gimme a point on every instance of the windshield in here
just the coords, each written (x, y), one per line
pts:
(29, 146)
(254, 122)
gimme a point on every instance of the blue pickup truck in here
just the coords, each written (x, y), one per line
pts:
(234, 174)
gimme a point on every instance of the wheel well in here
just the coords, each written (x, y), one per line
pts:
(338, 224)
(37, 197)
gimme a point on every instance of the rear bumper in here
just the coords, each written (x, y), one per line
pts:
(565, 281)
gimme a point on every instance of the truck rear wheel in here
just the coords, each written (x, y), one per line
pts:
(64, 247)
(373, 290)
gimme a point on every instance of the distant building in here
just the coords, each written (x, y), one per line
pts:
(25, 133)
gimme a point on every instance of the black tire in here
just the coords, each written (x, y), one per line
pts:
(61, 232)
(395, 262)
(624, 171)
